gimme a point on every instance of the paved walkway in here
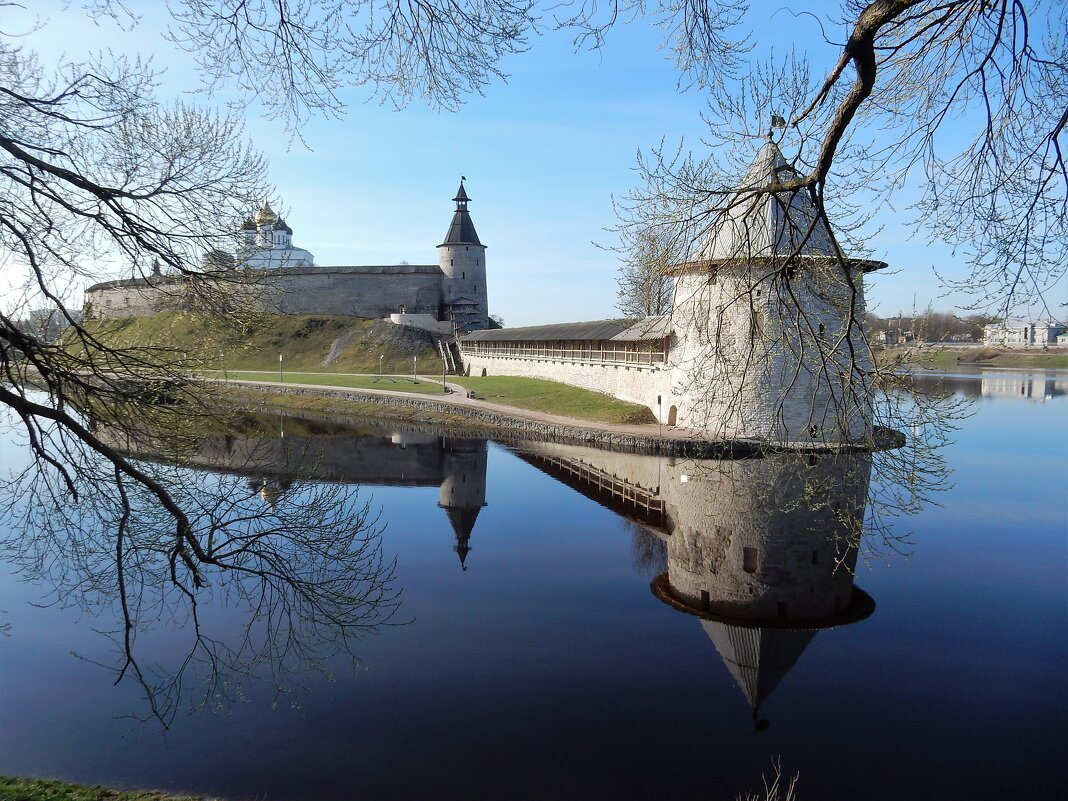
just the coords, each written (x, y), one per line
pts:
(458, 398)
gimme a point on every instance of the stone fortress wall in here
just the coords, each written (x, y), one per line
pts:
(283, 279)
(760, 344)
(633, 383)
(362, 292)
(764, 340)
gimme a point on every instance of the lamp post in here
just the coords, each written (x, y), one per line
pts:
(380, 358)
(281, 378)
(443, 387)
(415, 370)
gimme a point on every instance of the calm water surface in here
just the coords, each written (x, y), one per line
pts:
(536, 660)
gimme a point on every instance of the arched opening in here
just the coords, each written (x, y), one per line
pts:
(673, 415)
(400, 309)
(483, 372)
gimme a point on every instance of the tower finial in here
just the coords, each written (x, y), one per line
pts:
(776, 122)
(461, 196)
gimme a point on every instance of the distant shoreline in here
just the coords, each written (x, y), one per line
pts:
(942, 355)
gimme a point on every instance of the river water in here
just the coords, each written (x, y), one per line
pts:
(571, 623)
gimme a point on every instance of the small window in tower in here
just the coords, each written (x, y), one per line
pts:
(466, 247)
(463, 275)
(476, 262)
(450, 262)
(749, 560)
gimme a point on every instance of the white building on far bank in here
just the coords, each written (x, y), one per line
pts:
(1021, 334)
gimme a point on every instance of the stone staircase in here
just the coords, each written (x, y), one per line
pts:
(449, 350)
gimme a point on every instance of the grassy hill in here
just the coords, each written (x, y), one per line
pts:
(311, 343)
(316, 347)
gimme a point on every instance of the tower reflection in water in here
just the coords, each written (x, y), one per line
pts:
(278, 452)
(761, 551)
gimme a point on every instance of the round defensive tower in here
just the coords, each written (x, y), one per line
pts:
(462, 258)
(769, 321)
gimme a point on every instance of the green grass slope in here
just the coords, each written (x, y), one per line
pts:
(321, 350)
(553, 398)
(946, 358)
(307, 343)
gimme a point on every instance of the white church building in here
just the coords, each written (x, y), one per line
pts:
(267, 243)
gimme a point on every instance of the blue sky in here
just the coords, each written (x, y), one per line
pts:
(543, 153)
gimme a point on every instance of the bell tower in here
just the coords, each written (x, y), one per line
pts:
(462, 258)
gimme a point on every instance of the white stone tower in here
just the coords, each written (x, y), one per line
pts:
(462, 257)
(769, 322)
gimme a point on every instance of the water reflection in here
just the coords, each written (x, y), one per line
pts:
(274, 451)
(761, 551)
(262, 578)
(1033, 386)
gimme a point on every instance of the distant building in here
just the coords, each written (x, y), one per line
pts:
(1022, 334)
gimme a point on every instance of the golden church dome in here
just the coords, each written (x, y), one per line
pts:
(266, 214)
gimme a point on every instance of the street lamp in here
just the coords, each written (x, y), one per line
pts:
(415, 370)
(380, 358)
(281, 379)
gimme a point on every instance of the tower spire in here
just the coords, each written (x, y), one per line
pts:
(461, 196)
(461, 229)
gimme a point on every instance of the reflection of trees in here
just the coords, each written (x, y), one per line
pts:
(649, 551)
(904, 480)
(289, 585)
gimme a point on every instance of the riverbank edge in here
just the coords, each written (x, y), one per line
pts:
(508, 426)
(16, 788)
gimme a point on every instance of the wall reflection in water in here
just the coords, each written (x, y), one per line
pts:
(761, 552)
(277, 452)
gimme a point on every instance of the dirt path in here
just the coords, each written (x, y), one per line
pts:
(459, 398)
